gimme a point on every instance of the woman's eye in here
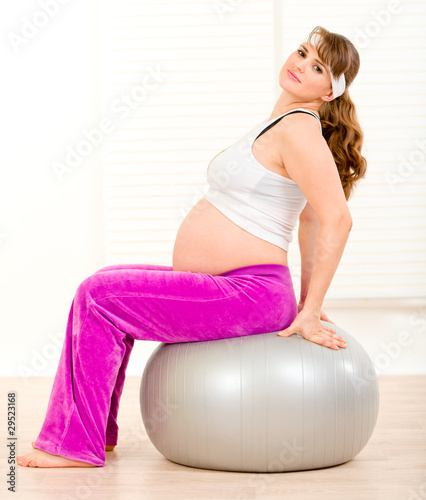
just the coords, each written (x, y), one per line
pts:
(301, 52)
(317, 68)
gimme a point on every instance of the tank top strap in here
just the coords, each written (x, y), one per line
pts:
(273, 121)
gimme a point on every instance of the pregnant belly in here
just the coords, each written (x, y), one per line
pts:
(208, 242)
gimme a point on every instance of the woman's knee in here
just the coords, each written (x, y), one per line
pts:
(106, 268)
(90, 286)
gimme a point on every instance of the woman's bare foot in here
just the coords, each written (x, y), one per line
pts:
(39, 458)
(108, 447)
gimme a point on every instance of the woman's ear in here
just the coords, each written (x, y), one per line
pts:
(328, 97)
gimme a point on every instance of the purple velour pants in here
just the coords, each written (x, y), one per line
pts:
(119, 304)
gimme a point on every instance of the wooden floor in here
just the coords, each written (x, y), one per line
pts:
(391, 466)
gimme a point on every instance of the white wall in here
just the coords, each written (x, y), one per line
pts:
(52, 232)
(392, 331)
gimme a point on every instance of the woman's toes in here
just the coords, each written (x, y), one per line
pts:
(39, 458)
(22, 460)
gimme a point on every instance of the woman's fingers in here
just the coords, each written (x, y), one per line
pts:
(326, 336)
(332, 337)
(324, 317)
(311, 328)
(330, 341)
(328, 329)
(340, 341)
(285, 333)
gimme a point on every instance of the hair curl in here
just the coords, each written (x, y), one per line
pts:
(340, 125)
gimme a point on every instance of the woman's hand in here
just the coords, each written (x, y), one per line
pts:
(309, 326)
(323, 316)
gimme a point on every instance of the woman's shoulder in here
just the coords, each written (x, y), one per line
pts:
(304, 117)
(301, 126)
(301, 135)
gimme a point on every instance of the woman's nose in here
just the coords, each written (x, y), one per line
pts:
(300, 65)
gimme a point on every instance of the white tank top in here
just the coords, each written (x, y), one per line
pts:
(262, 202)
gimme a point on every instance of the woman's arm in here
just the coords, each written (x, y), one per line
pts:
(309, 162)
(309, 227)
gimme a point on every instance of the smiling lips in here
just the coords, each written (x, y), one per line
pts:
(293, 76)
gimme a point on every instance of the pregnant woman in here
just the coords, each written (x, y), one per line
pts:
(230, 275)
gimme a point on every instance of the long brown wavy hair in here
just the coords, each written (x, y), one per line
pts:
(338, 117)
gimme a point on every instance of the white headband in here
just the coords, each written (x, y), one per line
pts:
(338, 84)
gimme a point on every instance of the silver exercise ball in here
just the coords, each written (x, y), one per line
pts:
(259, 403)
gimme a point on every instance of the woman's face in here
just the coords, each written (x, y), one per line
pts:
(305, 76)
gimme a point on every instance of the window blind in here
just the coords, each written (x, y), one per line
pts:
(386, 252)
(220, 70)
(182, 80)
